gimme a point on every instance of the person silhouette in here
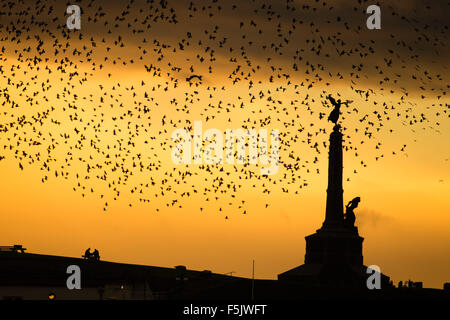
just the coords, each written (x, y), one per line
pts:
(96, 255)
(87, 253)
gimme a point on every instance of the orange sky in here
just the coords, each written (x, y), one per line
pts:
(403, 215)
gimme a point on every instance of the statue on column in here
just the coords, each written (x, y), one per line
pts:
(334, 115)
(349, 216)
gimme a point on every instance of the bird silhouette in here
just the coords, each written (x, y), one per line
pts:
(97, 109)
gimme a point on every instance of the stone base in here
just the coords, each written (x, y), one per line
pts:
(334, 246)
(333, 259)
(330, 276)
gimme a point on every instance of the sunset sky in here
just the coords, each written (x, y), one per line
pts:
(91, 128)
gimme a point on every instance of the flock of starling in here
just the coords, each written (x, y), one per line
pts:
(97, 106)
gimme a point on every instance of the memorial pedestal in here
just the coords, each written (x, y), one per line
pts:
(334, 247)
(333, 259)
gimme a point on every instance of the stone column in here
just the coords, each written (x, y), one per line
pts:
(334, 215)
